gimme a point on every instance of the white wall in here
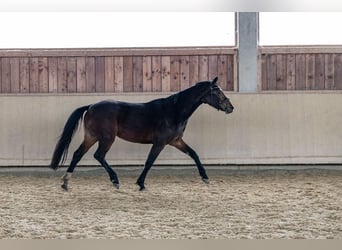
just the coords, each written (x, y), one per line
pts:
(264, 128)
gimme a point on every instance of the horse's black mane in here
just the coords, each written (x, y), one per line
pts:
(201, 85)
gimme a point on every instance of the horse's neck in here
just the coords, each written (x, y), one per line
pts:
(188, 102)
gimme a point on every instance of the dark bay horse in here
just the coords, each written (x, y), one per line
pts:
(159, 122)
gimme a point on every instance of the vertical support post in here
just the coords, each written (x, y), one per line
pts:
(247, 42)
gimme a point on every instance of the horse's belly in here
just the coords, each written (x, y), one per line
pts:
(135, 136)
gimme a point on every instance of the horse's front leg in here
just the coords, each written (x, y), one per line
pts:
(182, 146)
(152, 156)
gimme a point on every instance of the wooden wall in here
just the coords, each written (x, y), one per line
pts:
(114, 70)
(300, 68)
(164, 69)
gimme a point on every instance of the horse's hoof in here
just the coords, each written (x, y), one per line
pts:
(141, 186)
(117, 185)
(206, 181)
(65, 187)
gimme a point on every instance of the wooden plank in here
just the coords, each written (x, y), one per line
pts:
(259, 72)
(15, 75)
(300, 72)
(43, 74)
(291, 72)
(100, 74)
(281, 72)
(128, 74)
(81, 75)
(271, 72)
(319, 72)
(166, 73)
(310, 71)
(138, 74)
(34, 75)
(156, 74)
(53, 74)
(118, 74)
(174, 72)
(147, 74)
(227, 70)
(305, 49)
(193, 70)
(235, 73)
(231, 73)
(62, 75)
(338, 71)
(212, 67)
(263, 72)
(329, 71)
(184, 72)
(93, 52)
(203, 68)
(222, 71)
(71, 74)
(24, 65)
(90, 75)
(109, 74)
(5, 75)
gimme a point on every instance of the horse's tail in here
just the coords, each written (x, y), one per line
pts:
(69, 130)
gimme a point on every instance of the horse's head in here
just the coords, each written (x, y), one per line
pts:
(216, 98)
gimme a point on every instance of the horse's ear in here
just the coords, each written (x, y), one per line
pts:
(214, 81)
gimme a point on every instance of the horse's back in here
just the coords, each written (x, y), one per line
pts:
(133, 122)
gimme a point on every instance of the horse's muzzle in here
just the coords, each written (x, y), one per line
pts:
(229, 110)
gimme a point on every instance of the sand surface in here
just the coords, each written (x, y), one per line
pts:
(177, 205)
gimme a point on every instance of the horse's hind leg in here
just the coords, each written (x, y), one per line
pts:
(77, 156)
(104, 146)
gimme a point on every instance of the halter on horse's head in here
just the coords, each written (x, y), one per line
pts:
(217, 99)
